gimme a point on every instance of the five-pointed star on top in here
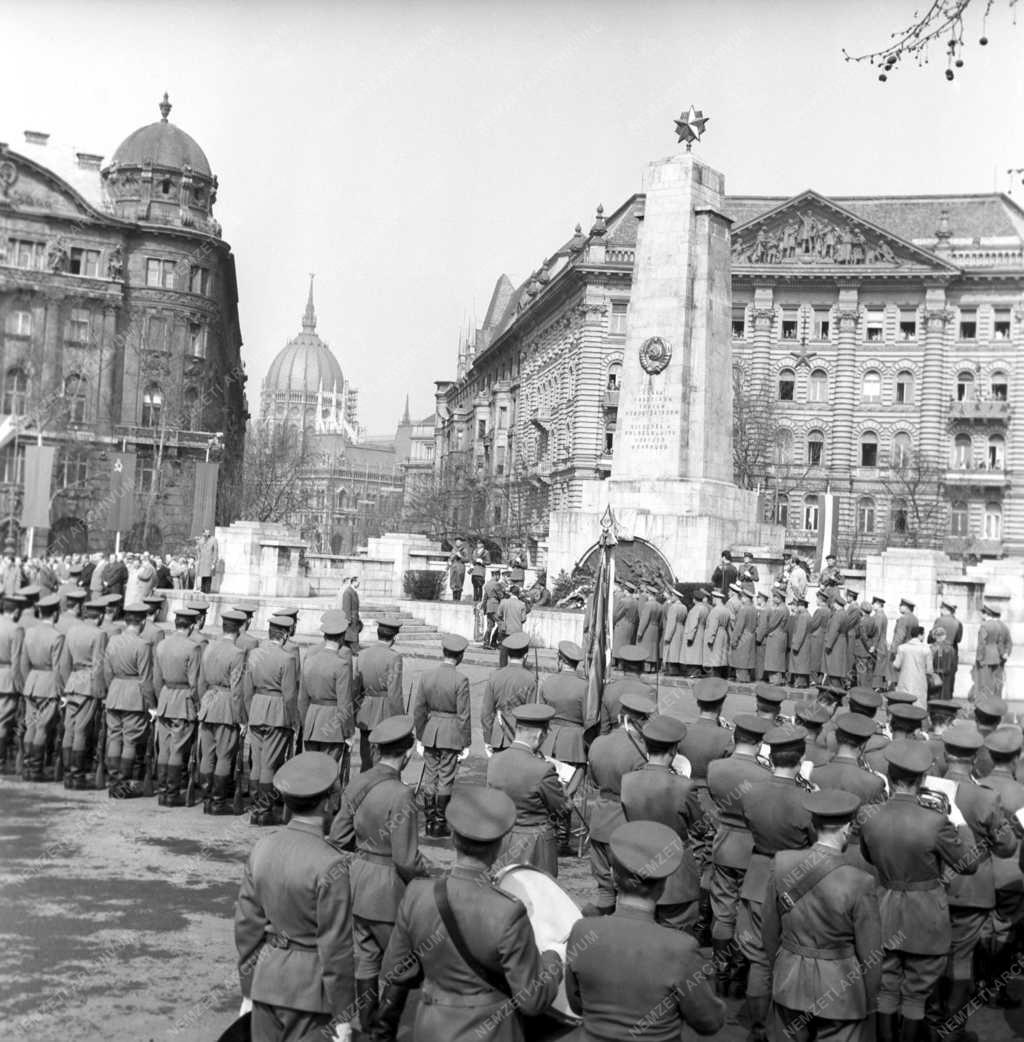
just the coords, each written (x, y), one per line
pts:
(690, 125)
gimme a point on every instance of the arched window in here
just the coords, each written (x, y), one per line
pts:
(902, 448)
(811, 508)
(12, 463)
(871, 386)
(958, 518)
(818, 386)
(783, 446)
(1000, 385)
(865, 514)
(74, 397)
(782, 509)
(993, 521)
(899, 516)
(15, 391)
(609, 438)
(962, 451)
(996, 452)
(152, 405)
(190, 409)
(869, 449)
(614, 376)
(341, 499)
(787, 385)
(964, 385)
(815, 449)
(905, 387)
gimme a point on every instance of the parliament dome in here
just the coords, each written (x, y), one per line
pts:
(163, 145)
(305, 364)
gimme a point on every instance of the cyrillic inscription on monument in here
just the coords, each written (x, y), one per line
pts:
(650, 422)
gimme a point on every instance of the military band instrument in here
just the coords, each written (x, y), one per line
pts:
(552, 914)
(934, 800)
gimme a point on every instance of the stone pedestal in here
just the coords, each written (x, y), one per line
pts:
(261, 559)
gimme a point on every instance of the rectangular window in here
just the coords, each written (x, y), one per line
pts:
(958, 520)
(609, 442)
(502, 417)
(78, 326)
(874, 326)
(908, 325)
(145, 472)
(481, 428)
(197, 339)
(739, 323)
(156, 339)
(968, 324)
(160, 273)
(25, 253)
(1001, 324)
(822, 324)
(814, 453)
(782, 511)
(811, 516)
(12, 463)
(74, 469)
(789, 324)
(84, 262)
(199, 280)
(152, 272)
(19, 323)
(617, 320)
(869, 454)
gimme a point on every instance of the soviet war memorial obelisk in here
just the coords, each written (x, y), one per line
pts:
(672, 466)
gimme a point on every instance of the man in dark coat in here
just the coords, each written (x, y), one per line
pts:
(725, 574)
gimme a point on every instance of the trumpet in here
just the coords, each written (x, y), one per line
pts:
(934, 800)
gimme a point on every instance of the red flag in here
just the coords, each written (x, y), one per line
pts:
(35, 507)
(122, 492)
(204, 501)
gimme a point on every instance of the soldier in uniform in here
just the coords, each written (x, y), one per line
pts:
(846, 770)
(910, 843)
(830, 574)
(798, 630)
(822, 931)
(648, 630)
(812, 717)
(816, 635)
(11, 636)
(693, 635)
(470, 943)
(85, 646)
(611, 757)
(493, 592)
(30, 595)
(716, 637)
(865, 647)
(628, 976)
(776, 639)
(378, 823)
(200, 608)
(176, 664)
(325, 693)
(994, 648)
(672, 634)
(942, 714)
(951, 626)
(988, 713)
(291, 645)
(531, 783)
(656, 793)
(852, 617)
(293, 917)
(778, 820)
(906, 623)
(151, 632)
(128, 672)
(883, 672)
(742, 652)
(631, 663)
(71, 610)
(378, 685)
(113, 619)
(221, 713)
(905, 721)
(441, 712)
(566, 693)
(43, 684)
(507, 687)
(834, 664)
(246, 641)
(270, 690)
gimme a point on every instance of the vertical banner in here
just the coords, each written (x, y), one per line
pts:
(828, 525)
(35, 505)
(122, 492)
(205, 498)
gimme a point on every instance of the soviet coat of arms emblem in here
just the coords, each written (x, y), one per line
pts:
(655, 354)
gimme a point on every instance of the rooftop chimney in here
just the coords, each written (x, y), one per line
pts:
(36, 137)
(88, 160)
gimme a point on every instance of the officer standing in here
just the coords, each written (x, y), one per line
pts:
(176, 663)
(656, 793)
(627, 976)
(378, 687)
(742, 652)
(471, 943)
(85, 646)
(693, 635)
(325, 693)
(441, 711)
(507, 687)
(846, 770)
(200, 608)
(906, 623)
(40, 666)
(566, 692)
(128, 673)
(834, 664)
(11, 636)
(776, 638)
(378, 823)
(270, 690)
(293, 918)
(716, 637)
(71, 611)
(673, 633)
(522, 773)
(612, 756)
(822, 930)
(631, 664)
(816, 635)
(246, 641)
(994, 648)
(799, 644)
(883, 674)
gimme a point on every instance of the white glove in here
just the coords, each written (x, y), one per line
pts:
(246, 1007)
(463, 755)
(342, 1033)
(419, 750)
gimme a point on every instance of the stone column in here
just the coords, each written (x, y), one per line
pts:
(1013, 502)
(934, 392)
(763, 317)
(847, 388)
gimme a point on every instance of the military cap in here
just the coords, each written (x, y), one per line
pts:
(811, 713)
(750, 724)
(963, 736)
(765, 692)
(570, 650)
(49, 601)
(232, 615)
(392, 729)
(154, 598)
(747, 553)
(852, 595)
(987, 705)
(516, 642)
(778, 593)
(865, 607)
(822, 595)
(788, 734)
(533, 714)
(249, 607)
(911, 756)
(281, 621)
(716, 592)
(15, 599)
(865, 698)
(480, 814)
(637, 702)
(112, 599)
(896, 697)
(904, 603)
(709, 691)
(943, 707)
(856, 725)
(700, 594)
(135, 608)
(453, 643)
(727, 554)
(333, 621)
(306, 775)
(832, 805)
(1005, 740)
(183, 613)
(664, 729)
(97, 604)
(878, 600)
(646, 850)
(830, 557)
(948, 606)
(75, 569)
(631, 653)
(787, 554)
(986, 609)
(76, 595)
(30, 591)
(801, 601)
(199, 606)
(389, 624)
(907, 713)
(292, 613)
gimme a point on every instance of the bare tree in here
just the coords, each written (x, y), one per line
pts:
(915, 485)
(272, 488)
(754, 429)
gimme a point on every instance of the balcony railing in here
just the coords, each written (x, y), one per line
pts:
(977, 477)
(980, 410)
(611, 398)
(619, 255)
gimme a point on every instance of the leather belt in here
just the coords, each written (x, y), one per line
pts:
(280, 941)
(432, 995)
(841, 951)
(443, 715)
(901, 885)
(375, 858)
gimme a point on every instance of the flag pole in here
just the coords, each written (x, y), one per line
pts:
(30, 541)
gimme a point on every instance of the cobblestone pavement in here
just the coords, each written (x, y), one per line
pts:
(116, 915)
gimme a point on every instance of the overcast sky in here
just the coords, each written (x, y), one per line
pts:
(409, 153)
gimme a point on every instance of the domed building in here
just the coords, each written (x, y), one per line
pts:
(305, 387)
(121, 345)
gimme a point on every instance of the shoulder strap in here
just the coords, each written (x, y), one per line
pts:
(358, 799)
(806, 883)
(489, 977)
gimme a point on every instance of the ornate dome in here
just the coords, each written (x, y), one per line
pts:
(306, 364)
(162, 144)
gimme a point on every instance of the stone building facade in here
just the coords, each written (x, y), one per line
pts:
(119, 316)
(878, 365)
